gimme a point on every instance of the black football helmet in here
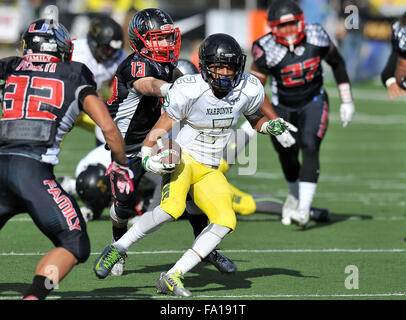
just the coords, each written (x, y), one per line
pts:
(46, 40)
(94, 189)
(286, 11)
(187, 67)
(105, 38)
(146, 32)
(220, 48)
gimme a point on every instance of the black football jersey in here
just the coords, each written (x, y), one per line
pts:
(296, 77)
(134, 113)
(399, 39)
(38, 106)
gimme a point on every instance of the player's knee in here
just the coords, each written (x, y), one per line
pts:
(226, 219)
(244, 204)
(310, 147)
(79, 246)
(120, 214)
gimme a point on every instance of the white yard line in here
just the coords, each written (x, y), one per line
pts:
(228, 296)
(328, 250)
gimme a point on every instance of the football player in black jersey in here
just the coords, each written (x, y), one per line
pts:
(397, 67)
(136, 108)
(388, 73)
(38, 110)
(291, 55)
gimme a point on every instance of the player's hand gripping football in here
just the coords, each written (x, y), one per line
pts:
(154, 164)
(280, 129)
(120, 177)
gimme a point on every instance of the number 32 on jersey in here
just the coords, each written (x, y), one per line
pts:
(19, 103)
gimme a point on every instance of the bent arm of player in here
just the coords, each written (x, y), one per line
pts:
(275, 127)
(285, 138)
(336, 61)
(388, 77)
(151, 162)
(150, 86)
(97, 110)
(400, 73)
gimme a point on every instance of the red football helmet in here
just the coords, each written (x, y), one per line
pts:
(152, 35)
(280, 15)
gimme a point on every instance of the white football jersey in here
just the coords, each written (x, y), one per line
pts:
(206, 121)
(102, 71)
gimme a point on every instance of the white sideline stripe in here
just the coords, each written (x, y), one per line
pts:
(245, 218)
(332, 250)
(360, 295)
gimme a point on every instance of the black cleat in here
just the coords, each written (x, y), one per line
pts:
(221, 262)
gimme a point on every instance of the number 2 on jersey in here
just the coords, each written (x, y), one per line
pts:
(300, 73)
(16, 101)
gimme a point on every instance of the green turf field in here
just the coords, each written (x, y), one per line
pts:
(362, 181)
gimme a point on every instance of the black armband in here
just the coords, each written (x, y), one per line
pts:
(336, 61)
(86, 91)
(389, 71)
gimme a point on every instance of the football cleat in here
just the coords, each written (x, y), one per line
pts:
(118, 268)
(105, 262)
(300, 216)
(172, 284)
(221, 262)
(87, 213)
(288, 208)
(319, 215)
(68, 184)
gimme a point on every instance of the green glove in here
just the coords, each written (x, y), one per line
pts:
(276, 126)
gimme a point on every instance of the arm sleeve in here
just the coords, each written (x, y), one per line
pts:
(390, 67)
(257, 99)
(86, 84)
(136, 70)
(336, 61)
(176, 104)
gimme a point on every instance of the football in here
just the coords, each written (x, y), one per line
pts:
(173, 148)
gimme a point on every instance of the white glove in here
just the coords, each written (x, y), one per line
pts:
(347, 111)
(285, 138)
(153, 163)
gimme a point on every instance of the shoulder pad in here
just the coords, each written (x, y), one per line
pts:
(274, 51)
(399, 37)
(316, 35)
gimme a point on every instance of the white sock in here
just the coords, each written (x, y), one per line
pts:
(186, 263)
(205, 243)
(294, 188)
(147, 223)
(306, 194)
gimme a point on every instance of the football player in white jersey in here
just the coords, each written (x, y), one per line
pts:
(208, 107)
(102, 52)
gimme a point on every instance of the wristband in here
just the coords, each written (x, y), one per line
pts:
(146, 151)
(345, 92)
(390, 81)
(164, 89)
